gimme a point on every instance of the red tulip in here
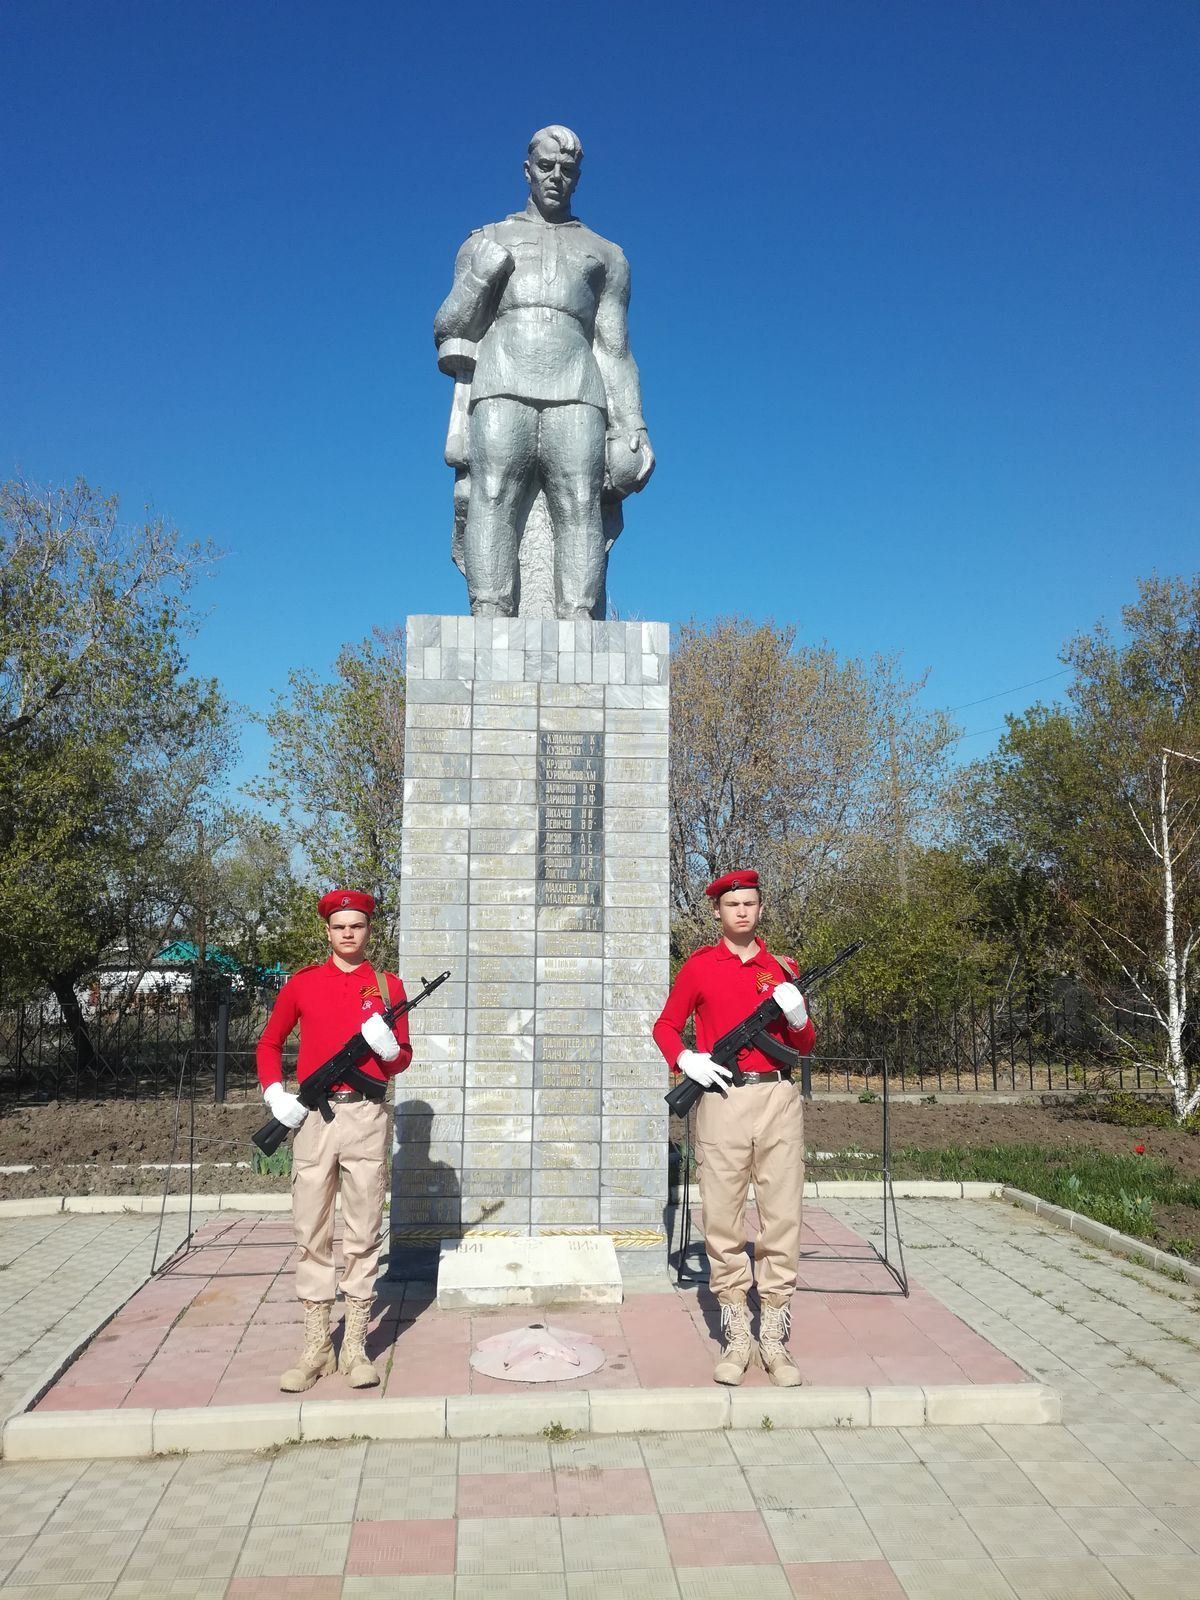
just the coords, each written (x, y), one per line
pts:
(1139, 1149)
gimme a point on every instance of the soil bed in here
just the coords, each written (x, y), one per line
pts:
(95, 1147)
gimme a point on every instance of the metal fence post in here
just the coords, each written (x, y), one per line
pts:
(222, 1047)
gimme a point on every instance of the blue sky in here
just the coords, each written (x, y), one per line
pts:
(914, 302)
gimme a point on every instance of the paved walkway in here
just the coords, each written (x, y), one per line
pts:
(221, 1323)
(1106, 1507)
(60, 1278)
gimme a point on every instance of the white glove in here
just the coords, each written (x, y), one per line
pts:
(791, 1002)
(284, 1107)
(380, 1037)
(702, 1069)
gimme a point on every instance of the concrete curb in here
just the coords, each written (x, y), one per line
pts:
(1097, 1233)
(814, 1188)
(60, 1435)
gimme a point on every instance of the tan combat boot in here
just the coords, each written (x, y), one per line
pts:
(354, 1362)
(739, 1351)
(316, 1359)
(774, 1327)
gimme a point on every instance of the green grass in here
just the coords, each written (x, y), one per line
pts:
(1119, 1191)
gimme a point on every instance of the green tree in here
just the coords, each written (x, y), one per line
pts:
(787, 756)
(110, 752)
(1101, 798)
(337, 769)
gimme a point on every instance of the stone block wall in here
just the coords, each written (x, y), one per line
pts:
(535, 868)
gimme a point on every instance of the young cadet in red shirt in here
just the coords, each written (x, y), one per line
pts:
(753, 1132)
(329, 1002)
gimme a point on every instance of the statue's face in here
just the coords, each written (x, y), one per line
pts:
(552, 175)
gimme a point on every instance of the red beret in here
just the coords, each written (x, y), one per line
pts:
(732, 880)
(345, 900)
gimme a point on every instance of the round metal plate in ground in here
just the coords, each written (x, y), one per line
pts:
(537, 1354)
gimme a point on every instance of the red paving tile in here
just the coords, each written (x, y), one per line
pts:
(844, 1580)
(603, 1491)
(501, 1494)
(718, 1539)
(220, 1325)
(418, 1545)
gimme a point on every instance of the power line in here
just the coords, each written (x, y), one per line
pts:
(1000, 693)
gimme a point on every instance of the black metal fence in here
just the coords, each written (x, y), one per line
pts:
(1009, 1042)
(1059, 1038)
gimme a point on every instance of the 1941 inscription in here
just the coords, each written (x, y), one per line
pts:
(570, 836)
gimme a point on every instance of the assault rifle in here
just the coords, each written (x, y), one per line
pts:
(342, 1067)
(752, 1034)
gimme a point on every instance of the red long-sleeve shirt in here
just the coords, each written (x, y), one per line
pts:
(330, 1005)
(722, 991)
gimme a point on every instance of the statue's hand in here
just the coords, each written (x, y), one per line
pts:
(490, 261)
(629, 461)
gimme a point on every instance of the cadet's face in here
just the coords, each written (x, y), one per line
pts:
(347, 932)
(738, 912)
(552, 176)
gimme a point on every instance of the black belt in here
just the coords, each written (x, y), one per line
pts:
(762, 1077)
(346, 1097)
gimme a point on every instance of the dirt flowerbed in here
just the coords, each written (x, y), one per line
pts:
(101, 1147)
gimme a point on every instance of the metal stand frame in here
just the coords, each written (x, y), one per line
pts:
(174, 1260)
(688, 1273)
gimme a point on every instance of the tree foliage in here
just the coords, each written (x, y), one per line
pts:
(337, 769)
(820, 770)
(110, 752)
(1093, 808)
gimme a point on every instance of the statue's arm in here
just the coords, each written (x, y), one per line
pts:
(480, 270)
(630, 458)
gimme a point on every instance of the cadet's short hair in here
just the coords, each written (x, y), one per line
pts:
(567, 141)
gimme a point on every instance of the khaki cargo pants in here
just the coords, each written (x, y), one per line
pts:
(354, 1148)
(755, 1135)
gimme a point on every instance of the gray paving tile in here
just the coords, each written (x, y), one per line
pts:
(651, 1583)
(503, 1455)
(1084, 1578)
(1122, 1531)
(687, 1450)
(893, 1484)
(1078, 1483)
(1151, 1577)
(68, 1591)
(382, 1499)
(783, 1447)
(1047, 1442)
(168, 1589)
(209, 1552)
(821, 1534)
(952, 1580)
(509, 1544)
(1023, 1531)
(863, 1446)
(592, 1544)
(923, 1533)
(599, 1453)
(423, 1458)
(511, 1586)
(986, 1483)
(76, 1555)
(953, 1444)
(289, 1551)
(774, 1490)
(1161, 1483)
(30, 1493)
(1182, 1520)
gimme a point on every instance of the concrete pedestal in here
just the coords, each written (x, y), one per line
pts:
(535, 867)
(528, 1272)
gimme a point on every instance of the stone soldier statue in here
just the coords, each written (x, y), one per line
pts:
(547, 397)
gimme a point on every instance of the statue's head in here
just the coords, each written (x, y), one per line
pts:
(552, 170)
